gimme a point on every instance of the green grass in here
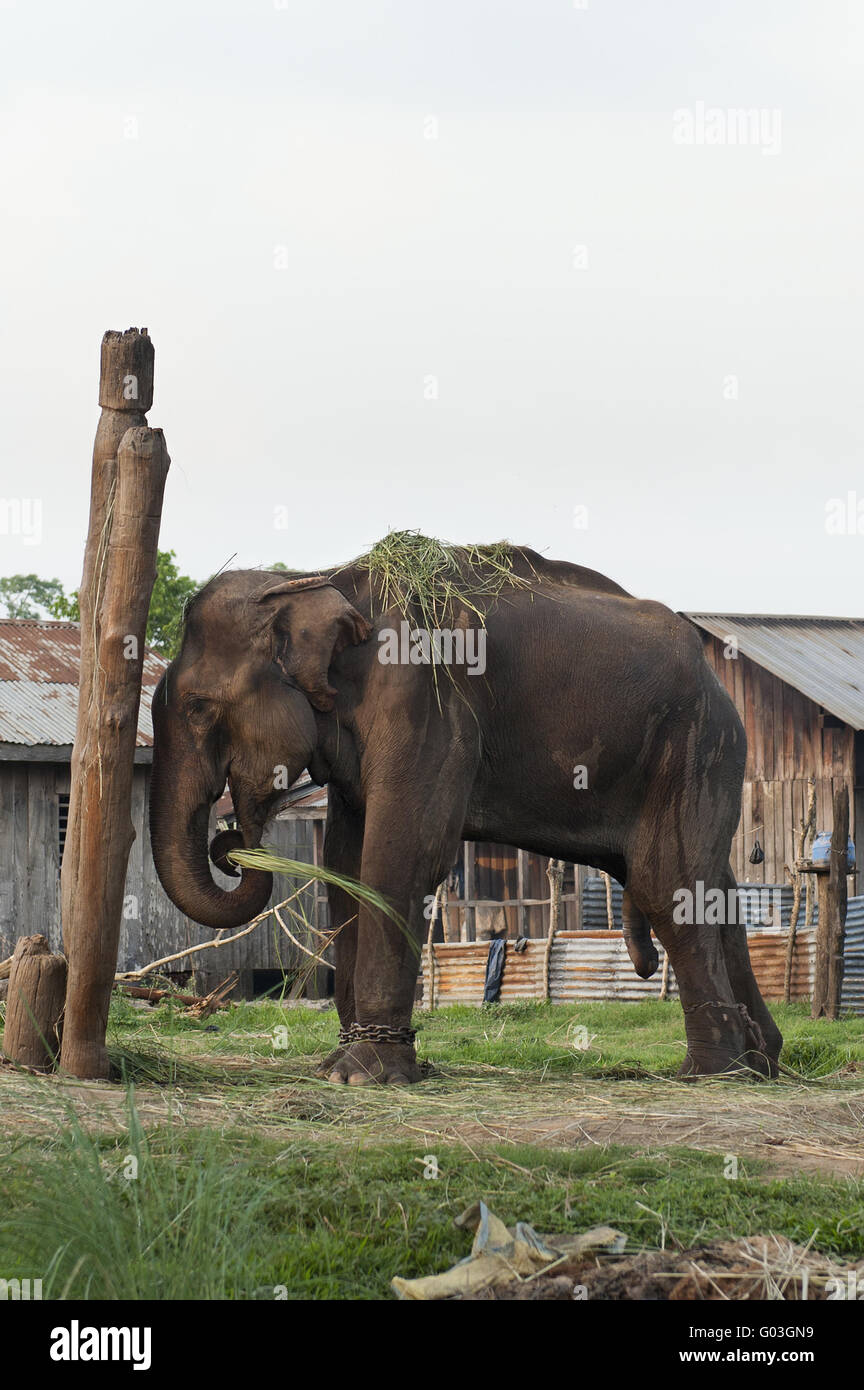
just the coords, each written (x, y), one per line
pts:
(640, 1039)
(253, 1176)
(233, 1215)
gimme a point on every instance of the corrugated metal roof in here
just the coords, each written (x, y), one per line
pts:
(39, 684)
(821, 657)
(303, 800)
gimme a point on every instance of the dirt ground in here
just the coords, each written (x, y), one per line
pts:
(793, 1128)
(715, 1272)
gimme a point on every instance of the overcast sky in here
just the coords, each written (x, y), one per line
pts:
(459, 265)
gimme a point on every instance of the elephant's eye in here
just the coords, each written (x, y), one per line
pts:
(197, 707)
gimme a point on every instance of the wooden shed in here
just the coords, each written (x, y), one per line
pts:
(38, 704)
(798, 685)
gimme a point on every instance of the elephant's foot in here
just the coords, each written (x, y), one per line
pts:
(326, 1065)
(723, 1040)
(742, 1066)
(374, 1064)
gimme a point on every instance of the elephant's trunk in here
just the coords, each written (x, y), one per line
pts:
(181, 795)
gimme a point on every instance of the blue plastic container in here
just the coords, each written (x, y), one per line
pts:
(822, 850)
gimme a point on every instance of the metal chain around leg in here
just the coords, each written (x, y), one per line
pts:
(375, 1033)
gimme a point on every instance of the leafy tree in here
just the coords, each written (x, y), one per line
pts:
(67, 607)
(171, 593)
(28, 596)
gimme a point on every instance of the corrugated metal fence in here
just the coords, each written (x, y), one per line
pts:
(852, 997)
(758, 904)
(595, 965)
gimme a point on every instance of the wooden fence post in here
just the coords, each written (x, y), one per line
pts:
(555, 875)
(119, 572)
(831, 929)
(806, 826)
(34, 1011)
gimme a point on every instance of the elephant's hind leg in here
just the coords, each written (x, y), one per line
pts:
(721, 1037)
(767, 1037)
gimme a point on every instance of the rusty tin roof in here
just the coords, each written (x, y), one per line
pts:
(39, 684)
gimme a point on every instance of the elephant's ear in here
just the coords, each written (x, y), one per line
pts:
(312, 621)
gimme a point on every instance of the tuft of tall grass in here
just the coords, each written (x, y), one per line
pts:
(170, 1215)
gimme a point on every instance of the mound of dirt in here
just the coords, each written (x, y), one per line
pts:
(763, 1267)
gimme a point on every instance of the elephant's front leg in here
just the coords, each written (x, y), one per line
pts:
(379, 1047)
(343, 851)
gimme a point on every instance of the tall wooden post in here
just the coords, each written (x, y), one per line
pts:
(831, 929)
(130, 464)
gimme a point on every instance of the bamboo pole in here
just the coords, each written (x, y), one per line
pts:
(555, 875)
(430, 944)
(441, 907)
(610, 911)
(806, 825)
(119, 572)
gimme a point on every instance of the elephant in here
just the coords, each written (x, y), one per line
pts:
(595, 733)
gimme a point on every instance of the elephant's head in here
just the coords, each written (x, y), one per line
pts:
(237, 704)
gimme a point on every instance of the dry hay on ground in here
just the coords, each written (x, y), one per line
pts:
(815, 1127)
(756, 1269)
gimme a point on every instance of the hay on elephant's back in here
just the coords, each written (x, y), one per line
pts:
(420, 575)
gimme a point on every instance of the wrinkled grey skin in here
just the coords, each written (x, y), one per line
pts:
(272, 674)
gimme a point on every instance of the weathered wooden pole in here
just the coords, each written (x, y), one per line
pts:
(555, 875)
(831, 929)
(806, 826)
(130, 465)
(34, 1009)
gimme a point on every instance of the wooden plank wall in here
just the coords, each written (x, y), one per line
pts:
(152, 926)
(787, 742)
(29, 851)
(507, 889)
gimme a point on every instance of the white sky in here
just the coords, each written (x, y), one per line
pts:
(304, 127)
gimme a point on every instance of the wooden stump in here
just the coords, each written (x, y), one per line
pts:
(34, 1010)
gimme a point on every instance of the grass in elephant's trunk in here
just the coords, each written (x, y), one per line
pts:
(265, 858)
(268, 860)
